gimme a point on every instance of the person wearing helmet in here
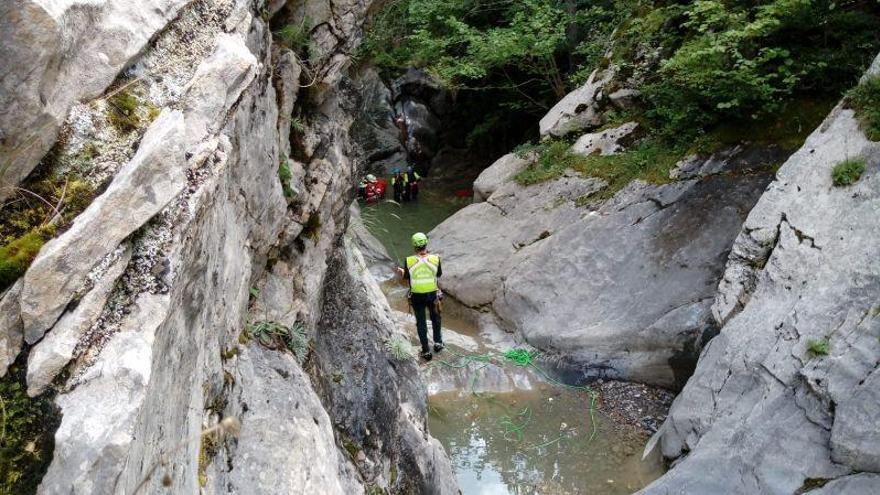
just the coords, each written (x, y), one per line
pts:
(397, 185)
(412, 184)
(422, 271)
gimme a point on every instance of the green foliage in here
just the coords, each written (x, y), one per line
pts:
(297, 125)
(734, 60)
(27, 427)
(705, 64)
(123, 111)
(820, 347)
(649, 160)
(16, 257)
(865, 99)
(848, 171)
(274, 335)
(400, 348)
(285, 176)
(25, 220)
(295, 37)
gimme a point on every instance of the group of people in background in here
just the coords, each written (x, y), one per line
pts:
(404, 184)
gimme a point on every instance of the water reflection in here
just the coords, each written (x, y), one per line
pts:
(551, 454)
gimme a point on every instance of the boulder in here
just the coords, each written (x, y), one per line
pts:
(482, 243)
(787, 392)
(56, 54)
(502, 171)
(579, 110)
(607, 142)
(100, 413)
(141, 189)
(565, 276)
(855, 484)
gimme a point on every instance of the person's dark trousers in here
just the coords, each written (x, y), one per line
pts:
(421, 302)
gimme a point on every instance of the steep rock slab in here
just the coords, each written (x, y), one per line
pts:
(626, 291)
(56, 53)
(53, 353)
(481, 243)
(377, 403)
(286, 444)
(11, 327)
(141, 189)
(763, 413)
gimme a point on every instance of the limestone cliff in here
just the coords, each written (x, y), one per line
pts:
(785, 397)
(203, 280)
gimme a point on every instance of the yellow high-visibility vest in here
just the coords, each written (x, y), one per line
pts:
(423, 273)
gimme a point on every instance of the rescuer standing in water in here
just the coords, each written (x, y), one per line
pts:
(422, 271)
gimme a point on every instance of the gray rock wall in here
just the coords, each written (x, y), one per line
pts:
(137, 313)
(763, 413)
(619, 289)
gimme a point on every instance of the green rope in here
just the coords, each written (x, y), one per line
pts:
(524, 359)
(514, 429)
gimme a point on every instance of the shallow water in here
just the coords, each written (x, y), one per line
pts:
(507, 429)
(394, 223)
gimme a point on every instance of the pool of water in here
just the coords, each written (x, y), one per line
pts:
(394, 223)
(508, 429)
(538, 441)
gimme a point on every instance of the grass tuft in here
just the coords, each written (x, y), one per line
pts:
(848, 171)
(400, 348)
(865, 100)
(285, 176)
(274, 335)
(818, 347)
(649, 161)
(295, 37)
(123, 112)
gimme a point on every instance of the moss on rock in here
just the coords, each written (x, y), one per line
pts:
(27, 427)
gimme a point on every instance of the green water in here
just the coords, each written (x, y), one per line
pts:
(553, 452)
(394, 223)
(533, 438)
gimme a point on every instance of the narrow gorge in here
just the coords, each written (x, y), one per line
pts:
(659, 224)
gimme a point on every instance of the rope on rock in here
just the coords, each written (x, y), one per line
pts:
(524, 359)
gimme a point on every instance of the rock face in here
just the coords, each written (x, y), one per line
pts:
(580, 109)
(565, 276)
(145, 314)
(48, 46)
(770, 407)
(399, 122)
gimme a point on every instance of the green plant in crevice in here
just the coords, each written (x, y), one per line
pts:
(848, 171)
(297, 125)
(27, 427)
(274, 335)
(312, 227)
(285, 176)
(16, 257)
(865, 100)
(295, 37)
(123, 111)
(400, 348)
(818, 347)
